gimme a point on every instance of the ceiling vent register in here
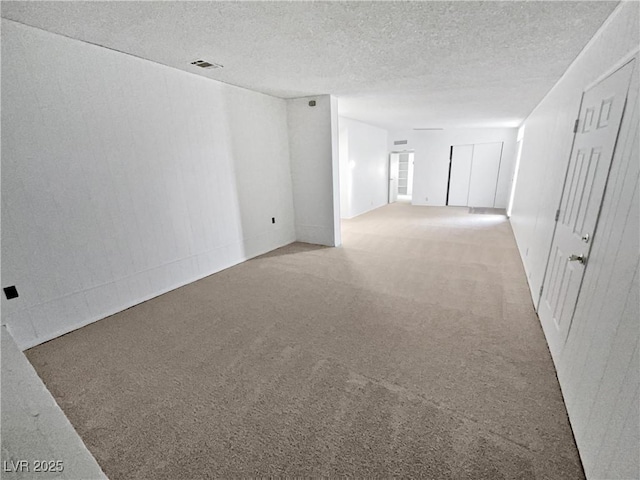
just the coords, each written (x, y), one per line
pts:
(205, 64)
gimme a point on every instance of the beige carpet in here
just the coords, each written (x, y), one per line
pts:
(412, 351)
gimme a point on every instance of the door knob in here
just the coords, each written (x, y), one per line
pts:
(585, 238)
(577, 258)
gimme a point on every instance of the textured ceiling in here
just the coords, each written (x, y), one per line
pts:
(393, 64)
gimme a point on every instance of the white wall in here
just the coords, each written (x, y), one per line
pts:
(431, 161)
(598, 366)
(364, 167)
(34, 427)
(313, 143)
(123, 179)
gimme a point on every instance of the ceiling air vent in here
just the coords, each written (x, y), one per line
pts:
(400, 142)
(205, 64)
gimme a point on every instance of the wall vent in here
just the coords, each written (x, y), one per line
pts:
(400, 142)
(205, 64)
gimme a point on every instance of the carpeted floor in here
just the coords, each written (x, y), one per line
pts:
(412, 351)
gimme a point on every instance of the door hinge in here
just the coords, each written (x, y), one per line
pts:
(541, 289)
(575, 125)
(557, 214)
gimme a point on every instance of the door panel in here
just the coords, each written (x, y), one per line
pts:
(594, 144)
(460, 175)
(563, 288)
(484, 174)
(410, 180)
(394, 161)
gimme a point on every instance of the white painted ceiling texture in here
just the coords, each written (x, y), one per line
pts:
(393, 64)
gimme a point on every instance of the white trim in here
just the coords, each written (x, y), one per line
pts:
(629, 57)
(514, 179)
(83, 323)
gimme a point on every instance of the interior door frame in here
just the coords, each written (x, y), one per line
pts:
(536, 304)
(600, 79)
(395, 152)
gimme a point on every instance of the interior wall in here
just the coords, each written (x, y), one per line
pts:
(431, 160)
(313, 144)
(364, 167)
(123, 179)
(598, 365)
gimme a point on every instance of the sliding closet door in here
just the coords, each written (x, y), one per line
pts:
(460, 175)
(484, 174)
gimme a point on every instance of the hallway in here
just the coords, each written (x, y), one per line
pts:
(412, 350)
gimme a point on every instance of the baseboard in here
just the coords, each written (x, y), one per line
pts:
(58, 333)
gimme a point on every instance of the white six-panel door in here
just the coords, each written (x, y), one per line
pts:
(597, 131)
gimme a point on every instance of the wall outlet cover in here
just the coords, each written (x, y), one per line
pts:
(11, 292)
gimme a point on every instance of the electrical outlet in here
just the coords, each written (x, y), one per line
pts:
(11, 292)
(426, 199)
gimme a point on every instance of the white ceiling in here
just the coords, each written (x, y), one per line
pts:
(394, 64)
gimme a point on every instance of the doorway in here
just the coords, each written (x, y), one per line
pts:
(594, 144)
(401, 176)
